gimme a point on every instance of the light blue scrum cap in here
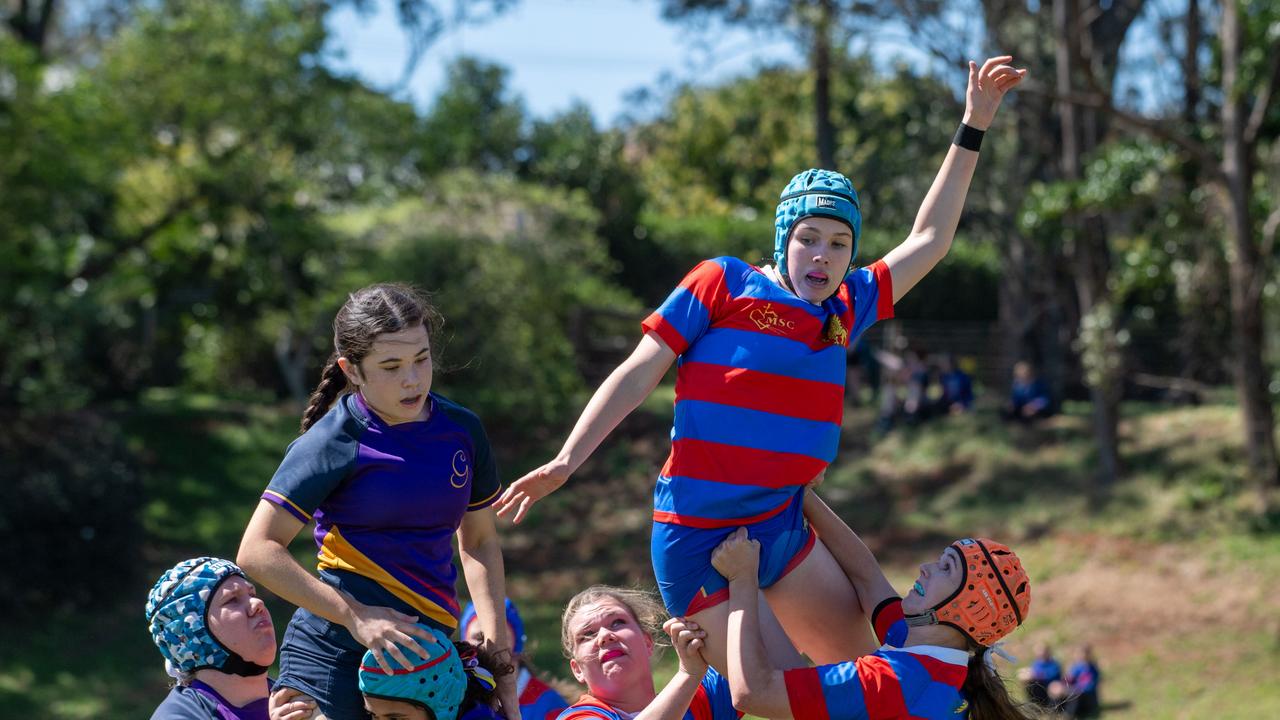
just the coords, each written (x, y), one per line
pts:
(824, 193)
(437, 682)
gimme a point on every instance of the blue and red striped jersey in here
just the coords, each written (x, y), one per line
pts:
(922, 681)
(538, 701)
(711, 701)
(759, 387)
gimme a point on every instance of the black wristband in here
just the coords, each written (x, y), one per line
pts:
(969, 138)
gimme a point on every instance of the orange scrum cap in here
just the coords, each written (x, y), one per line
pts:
(993, 597)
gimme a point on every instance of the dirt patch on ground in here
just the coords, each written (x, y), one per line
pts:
(1127, 597)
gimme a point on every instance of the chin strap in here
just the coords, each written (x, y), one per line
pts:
(236, 665)
(929, 618)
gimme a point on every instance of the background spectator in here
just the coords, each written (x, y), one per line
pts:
(1029, 396)
(1043, 672)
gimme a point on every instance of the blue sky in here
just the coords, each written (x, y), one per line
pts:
(599, 50)
(558, 50)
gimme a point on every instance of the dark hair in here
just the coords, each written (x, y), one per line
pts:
(478, 693)
(367, 313)
(987, 694)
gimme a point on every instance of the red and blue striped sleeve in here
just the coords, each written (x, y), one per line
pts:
(691, 308)
(712, 701)
(543, 704)
(871, 289)
(890, 622)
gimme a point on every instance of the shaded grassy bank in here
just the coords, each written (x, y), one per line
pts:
(1173, 574)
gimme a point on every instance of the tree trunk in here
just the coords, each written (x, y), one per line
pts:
(31, 23)
(1195, 329)
(825, 132)
(1091, 263)
(1247, 273)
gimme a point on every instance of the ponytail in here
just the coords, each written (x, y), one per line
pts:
(332, 382)
(987, 694)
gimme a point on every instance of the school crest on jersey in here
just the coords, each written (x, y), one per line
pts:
(766, 318)
(461, 468)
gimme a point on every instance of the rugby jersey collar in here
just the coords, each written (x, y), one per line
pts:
(771, 272)
(947, 655)
(366, 414)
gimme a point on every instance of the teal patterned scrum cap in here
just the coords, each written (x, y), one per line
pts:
(824, 193)
(178, 616)
(437, 682)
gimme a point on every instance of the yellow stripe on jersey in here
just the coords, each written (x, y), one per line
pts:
(336, 553)
(481, 502)
(292, 504)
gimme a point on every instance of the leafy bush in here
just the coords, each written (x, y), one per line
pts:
(508, 264)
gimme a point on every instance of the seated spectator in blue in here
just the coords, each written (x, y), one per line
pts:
(538, 701)
(957, 387)
(1029, 397)
(1043, 673)
(217, 640)
(916, 407)
(1077, 693)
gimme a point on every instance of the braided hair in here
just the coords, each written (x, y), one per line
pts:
(367, 313)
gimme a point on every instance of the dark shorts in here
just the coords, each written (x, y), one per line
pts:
(682, 557)
(322, 659)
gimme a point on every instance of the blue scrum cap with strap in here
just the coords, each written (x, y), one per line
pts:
(437, 682)
(178, 618)
(822, 193)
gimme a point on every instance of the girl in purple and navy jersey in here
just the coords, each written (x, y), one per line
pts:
(390, 472)
(936, 661)
(759, 395)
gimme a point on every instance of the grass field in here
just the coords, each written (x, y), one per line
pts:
(1173, 574)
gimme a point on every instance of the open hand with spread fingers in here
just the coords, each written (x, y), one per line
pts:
(537, 484)
(987, 87)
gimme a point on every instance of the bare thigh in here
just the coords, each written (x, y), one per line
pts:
(715, 621)
(819, 610)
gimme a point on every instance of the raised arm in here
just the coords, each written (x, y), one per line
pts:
(757, 686)
(264, 555)
(850, 552)
(939, 214)
(481, 553)
(623, 391)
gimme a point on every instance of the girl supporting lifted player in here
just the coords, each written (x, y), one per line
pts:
(759, 396)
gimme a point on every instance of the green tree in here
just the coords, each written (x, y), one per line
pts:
(165, 197)
(475, 122)
(570, 151)
(508, 264)
(821, 28)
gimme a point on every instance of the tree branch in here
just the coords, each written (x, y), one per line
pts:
(106, 263)
(1260, 106)
(1199, 152)
(1269, 229)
